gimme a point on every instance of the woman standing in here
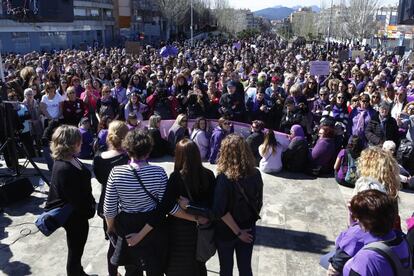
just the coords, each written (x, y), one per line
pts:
(238, 198)
(190, 180)
(135, 198)
(102, 166)
(50, 105)
(107, 105)
(36, 127)
(71, 184)
(72, 108)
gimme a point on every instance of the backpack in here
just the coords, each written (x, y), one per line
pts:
(384, 249)
(351, 174)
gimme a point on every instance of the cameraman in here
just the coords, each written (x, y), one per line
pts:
(162, 104)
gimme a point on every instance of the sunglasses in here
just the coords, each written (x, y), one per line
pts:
(364, 101)
(323, 94)
(339, 98)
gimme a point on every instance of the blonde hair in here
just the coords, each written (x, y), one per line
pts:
(117, 130)
(236, 160)
(407, 106)
(179, 119)
(65, 139)
(154, 120)
(381, 165)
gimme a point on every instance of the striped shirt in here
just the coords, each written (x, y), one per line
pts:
(124, 193)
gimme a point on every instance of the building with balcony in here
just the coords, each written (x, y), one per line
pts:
(93, 23)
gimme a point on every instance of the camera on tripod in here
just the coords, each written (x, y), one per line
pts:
(12, 147)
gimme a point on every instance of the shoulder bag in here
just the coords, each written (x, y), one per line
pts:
(251, 206)
(206, 246)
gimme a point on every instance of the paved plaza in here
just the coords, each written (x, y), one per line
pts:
(301, 217)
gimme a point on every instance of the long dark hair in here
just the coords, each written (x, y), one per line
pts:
(355, 146)
(188, 164)
(270, 141)
(197, 123)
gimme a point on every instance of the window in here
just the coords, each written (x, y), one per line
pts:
(79, 12)
(94, 12)
(108, 13)
(393, 20)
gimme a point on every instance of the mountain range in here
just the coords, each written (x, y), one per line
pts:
(280, 12)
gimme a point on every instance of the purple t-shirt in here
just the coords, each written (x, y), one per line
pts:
(367, 262)
(370, 263)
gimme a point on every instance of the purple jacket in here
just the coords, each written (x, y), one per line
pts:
(215, 143)
(324, 154)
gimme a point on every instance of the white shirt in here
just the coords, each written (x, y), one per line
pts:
(52, 106)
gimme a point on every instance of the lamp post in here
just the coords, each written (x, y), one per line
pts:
(192, 26)
(330, 24)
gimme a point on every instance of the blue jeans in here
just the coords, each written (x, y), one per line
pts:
(244, 253)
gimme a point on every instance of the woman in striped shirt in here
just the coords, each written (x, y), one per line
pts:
(135, 207)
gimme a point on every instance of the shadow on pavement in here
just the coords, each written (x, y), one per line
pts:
(30, 205)
(292, 240)
(295, 176)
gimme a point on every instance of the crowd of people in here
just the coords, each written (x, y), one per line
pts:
(354, 123)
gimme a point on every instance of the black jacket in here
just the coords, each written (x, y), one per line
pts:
(232, 105)
(227, 198)
(295, 158)
(71, 185)
(254, 140)
(377, 134)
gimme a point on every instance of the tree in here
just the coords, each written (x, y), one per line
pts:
(174, 12)
(349, 19)
(360, 18)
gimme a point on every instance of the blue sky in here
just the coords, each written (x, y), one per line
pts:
(258, 5)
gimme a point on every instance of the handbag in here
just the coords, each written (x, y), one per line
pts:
(206, 246)
(50, 221)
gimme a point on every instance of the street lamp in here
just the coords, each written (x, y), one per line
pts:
(192, 26)
(330, 24)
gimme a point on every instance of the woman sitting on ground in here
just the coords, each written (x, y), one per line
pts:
(200, 137)
(323, 154)
(220, 131)
(345, 158)
(178, 131)
(161, 146)
(271, 152)
(295, 158)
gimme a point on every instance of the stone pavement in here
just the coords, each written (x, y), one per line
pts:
(301, 217)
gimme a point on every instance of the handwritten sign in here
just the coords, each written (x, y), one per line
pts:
(319, 68)
(132, 47)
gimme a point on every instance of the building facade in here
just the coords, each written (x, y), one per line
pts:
(93, 24)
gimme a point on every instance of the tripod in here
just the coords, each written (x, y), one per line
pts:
(20, 148)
